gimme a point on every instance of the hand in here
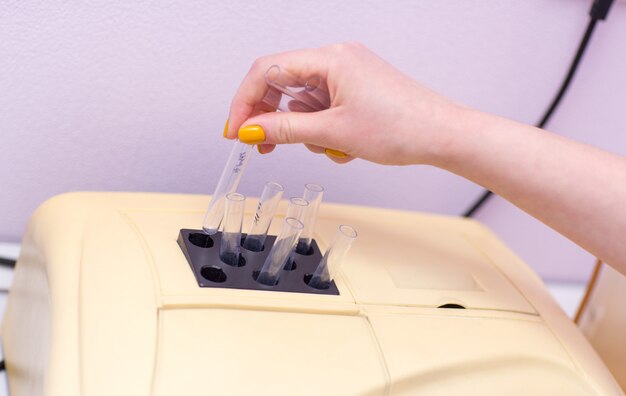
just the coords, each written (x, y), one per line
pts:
(376, 112)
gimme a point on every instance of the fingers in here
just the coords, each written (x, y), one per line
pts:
(253, 87)
(340, 159)
(315, 149)
(319, 131)
(288, 127)
(265, 148)
(252, 116)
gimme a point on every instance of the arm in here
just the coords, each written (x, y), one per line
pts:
(381, 115)
(578, 190)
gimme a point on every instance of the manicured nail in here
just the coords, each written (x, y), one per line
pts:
(258, 148)
(226, 128)
(252, 134)
(335, 153)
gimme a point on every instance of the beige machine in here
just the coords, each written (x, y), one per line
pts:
(104, 303)
(602, 318)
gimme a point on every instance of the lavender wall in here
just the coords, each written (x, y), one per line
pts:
(133, 96)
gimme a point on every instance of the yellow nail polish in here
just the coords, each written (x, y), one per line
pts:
(335, 153)
(252, 134)
(226, 128)
(258, 148)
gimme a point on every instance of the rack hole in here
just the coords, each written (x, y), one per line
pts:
(213, 274)
(290, 265)
(307, 279)
(301, 249)
(201, 240)
(255, 276)
(252, 245)
(233, 259)
(451, 306)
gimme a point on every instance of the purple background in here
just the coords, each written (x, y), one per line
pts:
(133, 96)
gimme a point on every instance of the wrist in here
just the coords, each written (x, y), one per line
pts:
(453, 135)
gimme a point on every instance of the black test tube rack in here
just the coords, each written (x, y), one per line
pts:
(203, 255)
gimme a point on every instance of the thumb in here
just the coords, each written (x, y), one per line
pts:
(291, 127)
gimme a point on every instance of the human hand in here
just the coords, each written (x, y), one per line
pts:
(376, 112)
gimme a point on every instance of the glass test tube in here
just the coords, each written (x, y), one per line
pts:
(313, 194)
(229, 180)
(333, 257)
(268, 203)
(286, 241)
(231, 235)
(286, 93)
(298, 94)
(296, 209)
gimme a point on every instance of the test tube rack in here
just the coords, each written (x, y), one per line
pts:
(203, 255)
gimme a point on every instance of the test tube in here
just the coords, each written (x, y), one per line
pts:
(231, 235)
(303, 95)
(328, 266)
(287, 92)
(229, 180)
(285, 242)
(313, 195)
(296, 209)
(268, 203)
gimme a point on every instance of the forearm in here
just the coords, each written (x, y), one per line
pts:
(574, 188)
(380, 115)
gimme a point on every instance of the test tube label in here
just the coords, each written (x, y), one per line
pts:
(240, 162)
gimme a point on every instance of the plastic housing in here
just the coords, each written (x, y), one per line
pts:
(103, 303)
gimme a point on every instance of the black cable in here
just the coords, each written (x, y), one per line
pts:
(599, 11)
(7, 263)
(570, 74)
(478, 203)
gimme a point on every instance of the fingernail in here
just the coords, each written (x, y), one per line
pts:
(258, 148)
(252, 134)
(226, 128)
(335, 153)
